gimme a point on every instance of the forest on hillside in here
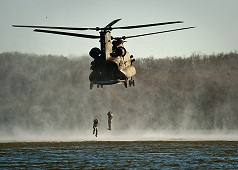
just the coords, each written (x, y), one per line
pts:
(41, 92)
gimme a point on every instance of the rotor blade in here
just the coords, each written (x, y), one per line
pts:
(68, 34)
(98, 28)
(141, 35)
(112, 23)
(147, 25)
(63, 28)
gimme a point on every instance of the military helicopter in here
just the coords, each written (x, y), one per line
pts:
(112, 63)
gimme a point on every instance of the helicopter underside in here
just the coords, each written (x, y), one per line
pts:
(108, 82)
(108, 74)
(101, 83)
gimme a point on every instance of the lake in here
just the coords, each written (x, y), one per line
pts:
(119, 155)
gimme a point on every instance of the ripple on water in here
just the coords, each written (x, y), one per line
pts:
(118, 155)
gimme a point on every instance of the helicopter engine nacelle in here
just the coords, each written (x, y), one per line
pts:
(95, 52)
(119, 51)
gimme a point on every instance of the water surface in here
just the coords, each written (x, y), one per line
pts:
(120, 155)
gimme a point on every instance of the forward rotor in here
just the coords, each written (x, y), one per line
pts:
(106, 28)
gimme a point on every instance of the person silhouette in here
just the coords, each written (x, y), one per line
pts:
(95, 127)
(109, 116)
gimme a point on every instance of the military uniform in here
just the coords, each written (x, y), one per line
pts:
(109, 115)
(95, 127)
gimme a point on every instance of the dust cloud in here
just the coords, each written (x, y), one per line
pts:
(45, 98)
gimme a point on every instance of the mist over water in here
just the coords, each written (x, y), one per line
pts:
(47, 98)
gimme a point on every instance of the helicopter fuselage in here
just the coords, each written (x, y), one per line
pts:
(112, 64)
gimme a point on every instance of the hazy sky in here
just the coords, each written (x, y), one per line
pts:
(216, 24)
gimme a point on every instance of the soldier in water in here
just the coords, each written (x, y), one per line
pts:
(109, 116)
(95, 127)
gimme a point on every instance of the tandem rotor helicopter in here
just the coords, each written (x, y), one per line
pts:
(112, 63)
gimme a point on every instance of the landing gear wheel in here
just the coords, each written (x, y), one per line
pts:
(125, 84)
(91, 86)
(99, 85)
(133, 82)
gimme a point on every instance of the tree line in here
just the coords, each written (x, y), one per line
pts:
(52, 92)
